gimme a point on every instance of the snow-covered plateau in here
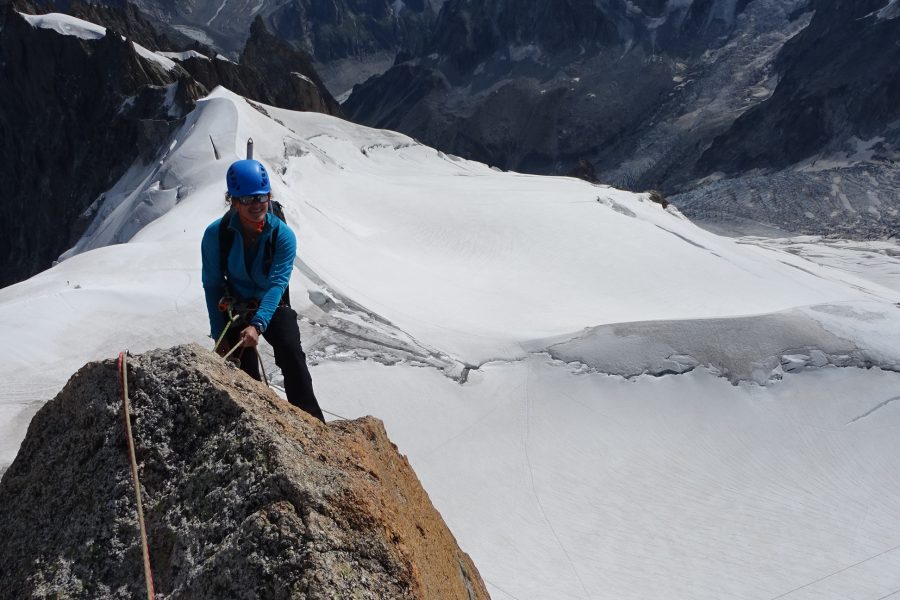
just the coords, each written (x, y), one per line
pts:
(603, 400)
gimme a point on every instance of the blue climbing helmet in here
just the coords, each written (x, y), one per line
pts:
(247, 178)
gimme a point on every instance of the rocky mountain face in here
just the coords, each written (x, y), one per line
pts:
(344, 37)
(258, 72)
(538, 86)
(244, 496)
(269, 71)
(119, 15)
(681, 96)
(75, 113)
(828, 137)
(839, 79)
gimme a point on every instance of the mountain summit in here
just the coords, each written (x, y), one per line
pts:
(244, 496)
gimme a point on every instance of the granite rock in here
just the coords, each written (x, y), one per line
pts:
(245, 496)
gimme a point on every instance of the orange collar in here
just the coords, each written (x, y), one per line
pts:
(252, 225)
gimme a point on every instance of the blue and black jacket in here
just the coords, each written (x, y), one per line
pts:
(247, 278)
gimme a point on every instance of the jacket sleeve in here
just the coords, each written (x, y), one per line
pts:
(279, 276)
(213, 279)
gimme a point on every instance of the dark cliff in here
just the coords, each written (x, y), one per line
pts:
(76, 113)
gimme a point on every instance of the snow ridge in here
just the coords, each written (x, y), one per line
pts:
(68, 25)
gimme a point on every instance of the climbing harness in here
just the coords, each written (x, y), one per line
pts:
(123, 388)
(237, 311)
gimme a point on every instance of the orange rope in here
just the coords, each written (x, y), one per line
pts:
(123, 387)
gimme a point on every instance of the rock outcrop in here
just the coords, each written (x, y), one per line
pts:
(269, 71)
(244, 495)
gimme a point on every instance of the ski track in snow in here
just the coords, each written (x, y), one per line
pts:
(492, 585)
(537, 497)
(764, 498)
(873, 409)
(840, 571)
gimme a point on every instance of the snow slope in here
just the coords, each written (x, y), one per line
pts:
(507, 329)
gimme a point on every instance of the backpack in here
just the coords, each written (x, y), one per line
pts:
(226, 239)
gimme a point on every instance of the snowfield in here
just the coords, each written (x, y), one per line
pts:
(601, 398)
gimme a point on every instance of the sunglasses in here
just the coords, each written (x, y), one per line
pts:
(254, 199)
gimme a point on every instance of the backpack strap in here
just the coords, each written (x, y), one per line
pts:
(226, 240)
(276, 208)
(269, 252)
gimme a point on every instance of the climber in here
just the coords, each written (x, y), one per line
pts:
(248, 256)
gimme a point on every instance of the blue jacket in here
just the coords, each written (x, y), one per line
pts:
(247, 285)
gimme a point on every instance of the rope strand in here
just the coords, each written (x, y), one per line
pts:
(261, 367)
(236, 346)
(231, 319)
(123, 381)
(337, 416)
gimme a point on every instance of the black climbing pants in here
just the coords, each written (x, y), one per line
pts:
(284, 337)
